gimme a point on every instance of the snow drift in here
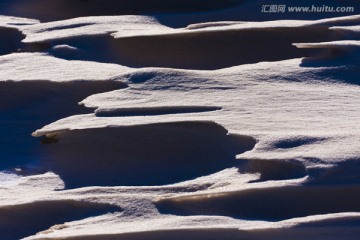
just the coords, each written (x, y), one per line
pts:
(175, 124)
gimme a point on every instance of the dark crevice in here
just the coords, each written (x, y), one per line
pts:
(151, 111)
(296, 142)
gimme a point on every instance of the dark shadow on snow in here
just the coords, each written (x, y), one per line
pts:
(146, 155)
(270, 204)
(10, 40)
(29, 105)
(209, 50)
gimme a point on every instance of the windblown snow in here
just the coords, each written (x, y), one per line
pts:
(180, 121)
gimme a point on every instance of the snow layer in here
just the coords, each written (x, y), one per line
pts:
(262, 147)
(43, 67)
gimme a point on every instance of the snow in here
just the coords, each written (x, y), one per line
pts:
(15, 22)
(334, 44)
(43, 67)
(148, 127)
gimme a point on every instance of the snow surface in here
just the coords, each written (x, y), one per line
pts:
(208, 127)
